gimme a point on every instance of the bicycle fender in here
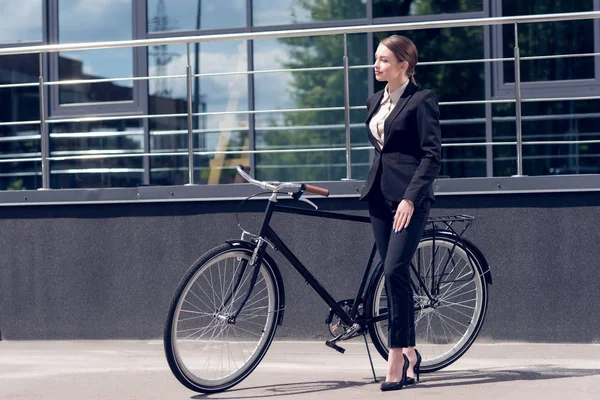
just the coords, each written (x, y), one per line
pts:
(471, 247)
(250, 246)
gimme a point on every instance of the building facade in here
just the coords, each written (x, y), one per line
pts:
(278, 104)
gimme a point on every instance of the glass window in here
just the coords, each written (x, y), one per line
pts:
(220, 94)
(187, 15)
(19, 104)
(105, 138)
(404, 8)
(569, 121)
(549, 38)
(85, 21)
(20, 21)
(303, 133)
(285, 12)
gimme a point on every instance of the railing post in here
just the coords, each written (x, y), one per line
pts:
(44, 145)
(518, 104)
(190, 110)
(347, 110)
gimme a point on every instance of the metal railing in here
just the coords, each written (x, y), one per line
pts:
(43, 121)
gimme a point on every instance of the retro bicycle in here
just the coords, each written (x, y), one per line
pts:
(227, 307)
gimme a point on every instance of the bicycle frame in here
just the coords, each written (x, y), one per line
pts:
(267, 235)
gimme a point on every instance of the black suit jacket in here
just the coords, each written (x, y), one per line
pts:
(409, 160)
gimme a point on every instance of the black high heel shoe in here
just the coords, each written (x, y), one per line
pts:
(387, 386)
(417, 369)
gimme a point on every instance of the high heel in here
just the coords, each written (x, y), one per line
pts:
(417, 369)
(418, 365)
(387, 386)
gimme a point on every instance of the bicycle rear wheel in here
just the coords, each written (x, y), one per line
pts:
(207, 351)
(447, 324)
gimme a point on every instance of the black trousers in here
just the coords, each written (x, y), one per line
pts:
(396, 250)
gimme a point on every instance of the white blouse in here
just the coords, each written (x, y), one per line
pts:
(388, 102)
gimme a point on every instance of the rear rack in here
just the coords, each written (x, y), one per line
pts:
(444, 223)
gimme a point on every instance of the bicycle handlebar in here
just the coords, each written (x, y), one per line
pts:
(316, 190)
(278, 186)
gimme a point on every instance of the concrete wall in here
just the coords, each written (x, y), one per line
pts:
(109, 271)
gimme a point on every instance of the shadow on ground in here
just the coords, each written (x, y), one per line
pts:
(429, 381)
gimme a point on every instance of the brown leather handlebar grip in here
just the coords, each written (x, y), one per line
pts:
(246, 168)
(316, 190)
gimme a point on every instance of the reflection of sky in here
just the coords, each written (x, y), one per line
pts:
(215, 14)
(221, 93)
(284, 12)
(271, 89)
(280, 12)
(106, 63)
(95, 21)
(214, 58)
(20, 21)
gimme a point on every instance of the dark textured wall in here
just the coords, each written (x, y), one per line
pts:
(108, 271)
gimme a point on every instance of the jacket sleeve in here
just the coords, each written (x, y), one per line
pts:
(428, 127)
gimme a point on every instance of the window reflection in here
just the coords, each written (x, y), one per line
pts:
(549, 121)
(20, 21)
(19, 104)
(404, 8)
(105, 138)
(284, 12)
(300, 130)
(85, 21)
(550, 38)
(223, 94)
(186, 15)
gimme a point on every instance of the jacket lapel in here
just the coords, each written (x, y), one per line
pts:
(374, 107)
(408, 92)
(376, 102)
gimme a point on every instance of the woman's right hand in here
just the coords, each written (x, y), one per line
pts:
(403, 215)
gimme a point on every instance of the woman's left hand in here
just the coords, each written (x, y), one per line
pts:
(403, 215)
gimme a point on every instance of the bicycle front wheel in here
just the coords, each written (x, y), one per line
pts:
(207, 351)
(450, 296)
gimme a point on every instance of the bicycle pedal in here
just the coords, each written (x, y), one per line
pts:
(334, 346)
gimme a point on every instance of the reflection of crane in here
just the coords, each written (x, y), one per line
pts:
(222, 161)
(161, 23)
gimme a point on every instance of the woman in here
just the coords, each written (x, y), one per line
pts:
(403, 125)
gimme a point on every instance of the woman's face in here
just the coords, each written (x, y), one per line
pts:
(387, 67)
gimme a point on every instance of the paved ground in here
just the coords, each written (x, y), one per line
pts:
(294, 370)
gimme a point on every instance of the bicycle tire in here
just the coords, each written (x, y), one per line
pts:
(207, 317)
(435, 340)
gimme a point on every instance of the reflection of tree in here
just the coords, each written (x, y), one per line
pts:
(325, 89)
(317, 89)
(548, 39)
(395, 8)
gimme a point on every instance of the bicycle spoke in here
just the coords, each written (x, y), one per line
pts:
(196, 284)
(193, 305)
(453, 320)
(212, 287)
(457, 304)
(460, 294)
